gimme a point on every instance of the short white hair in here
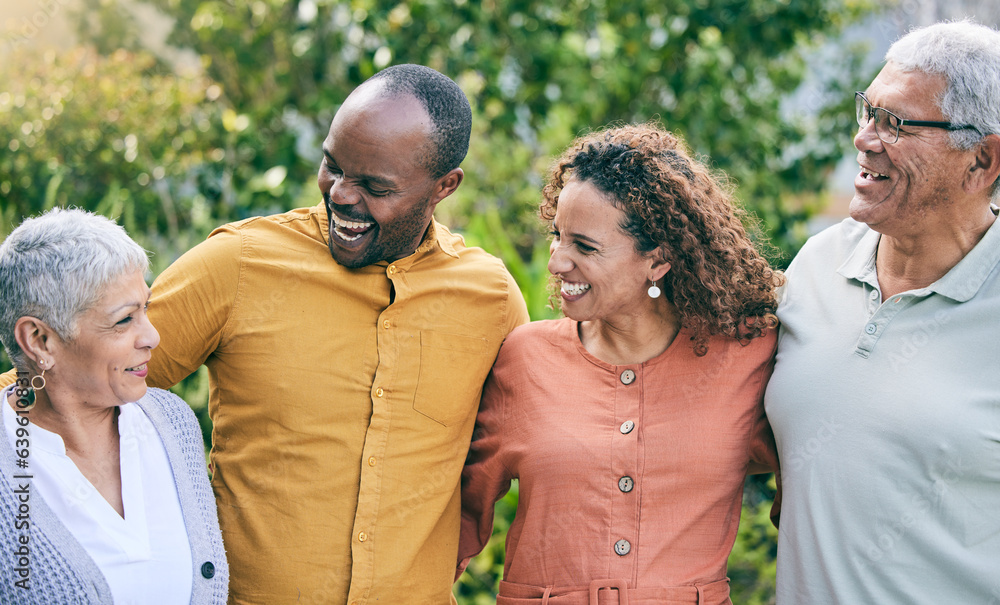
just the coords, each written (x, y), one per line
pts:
(56, 266)
(968, 56)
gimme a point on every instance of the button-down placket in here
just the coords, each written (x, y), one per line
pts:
(879, 321)
(383, 398)
(626, 454)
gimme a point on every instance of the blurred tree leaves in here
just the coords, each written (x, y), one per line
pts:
(719, 72)
(110, 134)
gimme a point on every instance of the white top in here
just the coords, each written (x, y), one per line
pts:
(145, 557)
(886, 416)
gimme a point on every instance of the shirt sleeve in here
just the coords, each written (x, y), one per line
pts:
(517, 309)
(763, 452)
(191, 303)
(485, 478)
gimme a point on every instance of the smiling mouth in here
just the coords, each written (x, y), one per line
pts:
(871, 175)
(348, 230)
(139, 370)
(574, 289)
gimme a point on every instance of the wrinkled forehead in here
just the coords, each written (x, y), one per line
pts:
(906, 91)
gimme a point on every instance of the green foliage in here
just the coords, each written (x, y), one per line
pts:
(752, 564)
(109, 134)
(716, 71)
(481, 580)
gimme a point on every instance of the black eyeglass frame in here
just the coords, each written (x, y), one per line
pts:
(861, 101)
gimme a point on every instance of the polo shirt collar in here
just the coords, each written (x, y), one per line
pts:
(960, 284)
(860, 263)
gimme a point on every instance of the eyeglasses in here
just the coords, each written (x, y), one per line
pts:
(887, 123)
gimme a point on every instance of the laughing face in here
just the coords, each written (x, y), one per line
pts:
(104, 365)
(379, 194)
(902, 184)
(603, 277)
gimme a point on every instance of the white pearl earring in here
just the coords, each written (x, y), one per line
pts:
(654, 290)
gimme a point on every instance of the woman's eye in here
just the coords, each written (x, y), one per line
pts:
(585, 248)
(125, 320)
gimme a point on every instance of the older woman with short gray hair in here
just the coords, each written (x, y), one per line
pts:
(105, 495)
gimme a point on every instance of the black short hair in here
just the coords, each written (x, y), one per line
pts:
(444, 102)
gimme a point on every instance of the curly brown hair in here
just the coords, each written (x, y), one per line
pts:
(718, 281)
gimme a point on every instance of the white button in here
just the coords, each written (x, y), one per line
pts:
(625, 484)
(871, 328)
(627, 427)
(628, 377)
(874, 294)
(622, 547)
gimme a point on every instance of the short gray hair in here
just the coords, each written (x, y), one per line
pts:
(968, 56)
(56, 266)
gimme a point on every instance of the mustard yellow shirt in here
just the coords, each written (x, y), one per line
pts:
(342, 401)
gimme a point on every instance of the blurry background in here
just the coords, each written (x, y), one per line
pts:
(175, 116)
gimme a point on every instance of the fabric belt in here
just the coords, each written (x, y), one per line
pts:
(614, 592)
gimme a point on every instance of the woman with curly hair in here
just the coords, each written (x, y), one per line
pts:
(632, 422)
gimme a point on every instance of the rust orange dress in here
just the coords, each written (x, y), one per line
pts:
(630, 476)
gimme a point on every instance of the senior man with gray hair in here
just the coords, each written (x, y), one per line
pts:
(884, 401)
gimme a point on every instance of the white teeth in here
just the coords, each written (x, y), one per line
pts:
(136, 368)
(347, 236)
(572, 289)
(350, 224)
(341, 224)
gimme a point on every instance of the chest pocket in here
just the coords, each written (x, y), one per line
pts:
(450, 377)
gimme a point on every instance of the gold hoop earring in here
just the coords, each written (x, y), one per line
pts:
(38, 387)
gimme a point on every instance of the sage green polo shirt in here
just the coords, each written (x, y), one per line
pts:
(886, 416)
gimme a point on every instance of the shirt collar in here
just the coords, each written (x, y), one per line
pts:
(436, 236)
(860, 263)
(968, 276)
(960, 283)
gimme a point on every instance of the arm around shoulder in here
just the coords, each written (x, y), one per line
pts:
(191, 303)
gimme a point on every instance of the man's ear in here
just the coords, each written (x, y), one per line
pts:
(986, 167)
(447, 185)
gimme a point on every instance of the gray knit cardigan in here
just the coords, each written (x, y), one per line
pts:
(61, 571)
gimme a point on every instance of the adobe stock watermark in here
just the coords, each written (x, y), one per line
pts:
(27, 28)
(21, 483)
(805, 452)
(917, 340)
(920, 504)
